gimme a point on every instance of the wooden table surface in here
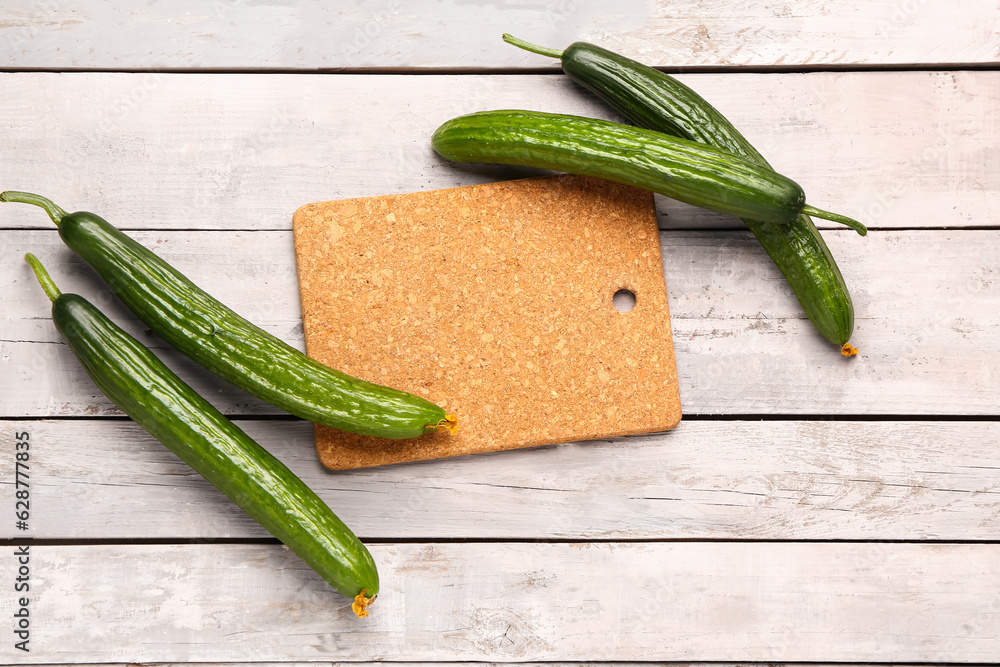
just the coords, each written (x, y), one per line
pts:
(808, 507)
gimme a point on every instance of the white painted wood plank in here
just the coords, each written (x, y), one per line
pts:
(719, 480)
(390, 33)
(928, 322)
(466, 664)
(470, 664)
(187, 151)
(517, 602)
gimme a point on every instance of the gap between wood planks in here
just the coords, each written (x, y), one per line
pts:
(733, 228)
(453, 71)
(750, 417)
(265, 541)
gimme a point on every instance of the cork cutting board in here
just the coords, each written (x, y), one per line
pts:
(496, 302)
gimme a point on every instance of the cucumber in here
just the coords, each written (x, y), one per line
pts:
(688, 171)
(225, 343)
(189, 426)
(657, 101)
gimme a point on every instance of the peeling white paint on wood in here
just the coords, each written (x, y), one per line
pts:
(312, 35)
(514, 602)
(816, 480)
(236, 152)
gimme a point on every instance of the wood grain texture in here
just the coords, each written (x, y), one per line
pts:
(801, 480)
(518, 603)
(928, 322)
(310, 35)
(209, 168)
(170, 151)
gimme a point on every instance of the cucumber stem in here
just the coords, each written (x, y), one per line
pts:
(534, 48)
(44, 279)
(56, 213)
(835, 217)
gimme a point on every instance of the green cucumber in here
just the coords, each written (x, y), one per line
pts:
(688, 171)
(657, 101)
(189, 426)
(225, 343)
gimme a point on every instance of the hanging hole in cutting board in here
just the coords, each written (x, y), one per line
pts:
(623, 300)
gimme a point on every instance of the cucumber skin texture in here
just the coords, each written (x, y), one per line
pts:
(656, 101)
(159, 401)
(225, 343)
(685, 170)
